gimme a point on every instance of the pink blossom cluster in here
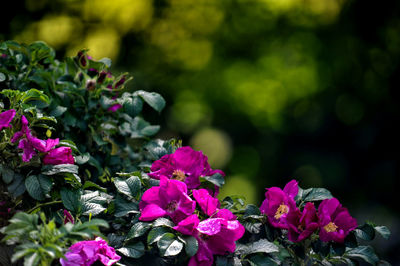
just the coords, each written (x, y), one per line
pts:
(30, 144)
(332, 220)
(177, 197)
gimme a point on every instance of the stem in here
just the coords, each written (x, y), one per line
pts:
(44, 204)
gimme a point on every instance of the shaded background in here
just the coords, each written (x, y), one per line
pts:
(270, 90)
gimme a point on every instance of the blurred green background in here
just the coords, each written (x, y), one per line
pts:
(270, 90)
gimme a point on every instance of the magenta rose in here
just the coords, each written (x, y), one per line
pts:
(278, 203)
(185, 164)
(85, 253)
(168, 199)
(214, 235)
(335, 221)
(302, 224)
(60, 155)
(30, 144)
(6, 117)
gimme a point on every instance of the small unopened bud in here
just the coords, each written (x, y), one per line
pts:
(102, 77)
(82, 59)
(90, 85)
(120, 82)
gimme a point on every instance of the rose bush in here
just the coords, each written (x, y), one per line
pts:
(83, 182)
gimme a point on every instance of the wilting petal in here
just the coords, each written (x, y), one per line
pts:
(27, 150)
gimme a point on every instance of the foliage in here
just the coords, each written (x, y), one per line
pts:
(79, 105)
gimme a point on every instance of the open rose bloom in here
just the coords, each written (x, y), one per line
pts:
(85, 253)
(215, 236)
(185, 164)
(168, 199)
(278, 203)
(335, 221)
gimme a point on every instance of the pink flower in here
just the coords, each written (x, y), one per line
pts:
(30, 143)
(278, 203)
(61, 155)
(114, 107)
(168, 199)
(85, 253)
(185, 165)
(209, 205)
(335, 221)
(302, 225)
(214, 235)
(6, 117)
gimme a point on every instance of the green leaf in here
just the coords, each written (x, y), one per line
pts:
(70, 144)
(363, 252)
(129, 187)
(92, 202)
(260, 246)
(90, 184)
(316, 194)
(32, 259)
(169, 246)
(163, 222)
(191, 245)
(124, 207)
(17, 187)
(7, 174)
(81, 159)
(131, 105)
(58, 111)
(37, 96)
(59, 168)
(71, 200)
(262, 260)
(138, 229)
(383, 231)
(217, 179)
(2, 77)
(156, 233)
(155, 100)
(365, 232)
(38, 186)
(132, 250)
(106, 61)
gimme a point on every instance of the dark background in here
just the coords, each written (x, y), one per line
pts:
(269, 90)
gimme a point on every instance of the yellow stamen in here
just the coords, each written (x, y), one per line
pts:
(179, 175)
(331, 227)
(282, 209)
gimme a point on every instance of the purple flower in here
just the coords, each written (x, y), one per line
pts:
(185, 165)
(208, 204)
(68, 217)
(114, 107)
(85, 253)
(168, 199)
(214, 235)
(335, 221)
(302, 225)
(278, 203)
(61, 155)
(6, 117)
(30, 143)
